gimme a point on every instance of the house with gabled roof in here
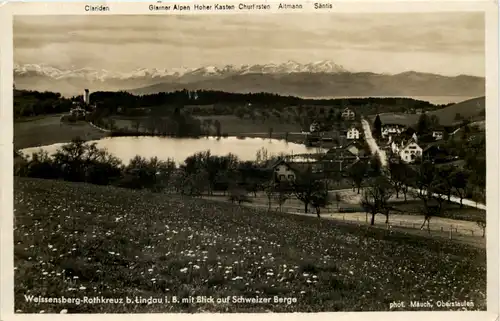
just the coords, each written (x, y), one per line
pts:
(348, 114)
(356, 148)
(410, 151)
(392, 130)
(288, 171)
(438, 132)
(339, 159)
(353, 133)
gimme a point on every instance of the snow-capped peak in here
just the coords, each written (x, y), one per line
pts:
(290, 66)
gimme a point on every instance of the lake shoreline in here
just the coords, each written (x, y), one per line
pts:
(44, 131)
(244, 147)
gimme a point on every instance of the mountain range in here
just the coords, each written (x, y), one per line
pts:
(316, 79)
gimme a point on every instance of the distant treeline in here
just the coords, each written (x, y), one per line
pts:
(31, 103)
(126, 100)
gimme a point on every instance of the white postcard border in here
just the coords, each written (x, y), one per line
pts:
(492, 85)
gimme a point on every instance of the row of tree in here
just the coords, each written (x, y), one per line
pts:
(31, 103)
(204, 173)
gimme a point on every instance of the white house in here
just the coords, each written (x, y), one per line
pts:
(410, 152)
(392, 130)
(438, 134)
(283, 171)
(348, 114)
(352, 133)
(314, 127)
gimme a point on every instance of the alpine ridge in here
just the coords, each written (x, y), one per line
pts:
(316, 79)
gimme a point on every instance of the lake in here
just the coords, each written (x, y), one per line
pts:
(178, 149)
(436, 100)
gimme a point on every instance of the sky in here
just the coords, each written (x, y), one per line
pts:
(443, 43)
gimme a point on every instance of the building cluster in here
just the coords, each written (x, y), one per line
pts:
(399, 141)
(402, 142)
(349, 148)
(80, 109)
(350, 130)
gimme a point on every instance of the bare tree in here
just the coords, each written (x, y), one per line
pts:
(338, 199)
(269, 189)
(357, 172)
(136, 124)
(282, 194)
(319, 200)
(460, 182)
(481, 222)
(238, 195)
(375, 199)
(309, 189)
(430, 192)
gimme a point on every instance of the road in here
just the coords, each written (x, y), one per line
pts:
(372, 143)
(383, 160)
(465, 232)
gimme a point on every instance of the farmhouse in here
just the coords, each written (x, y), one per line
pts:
(288, 171)
(352, 133)
(437, 153)
(348, 114)
(356, 148)
(410, 152)
(282, 171)
(438, 134)
(392, 129)
(314, 127)
(78, 112)
(339, 159)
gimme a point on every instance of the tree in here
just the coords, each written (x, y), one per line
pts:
(136, 124)
(423, 124)
(481, 222)
(458, 117)
(396, 176)
(377, 127)
(240, 112)
(430, 192)
(375, 166)
(238, 195)
(375, 199)
(218, 128)
(282, 194)
(433, 121)
(338, 199)
(262, 156)
(319, 200)
(308, 189)
(446, 175)
(460, 182)
(357, 172)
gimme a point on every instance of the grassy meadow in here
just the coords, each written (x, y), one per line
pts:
(80, 240)
(46, 130)
(471, 108)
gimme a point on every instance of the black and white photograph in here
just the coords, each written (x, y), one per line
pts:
(250, 163)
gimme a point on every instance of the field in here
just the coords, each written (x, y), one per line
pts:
(230, 124)
(79, 240)
(234, 126)
(407, 215)
(469, 108)
(48, 130)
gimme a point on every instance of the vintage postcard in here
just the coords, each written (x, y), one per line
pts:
(200, 157)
